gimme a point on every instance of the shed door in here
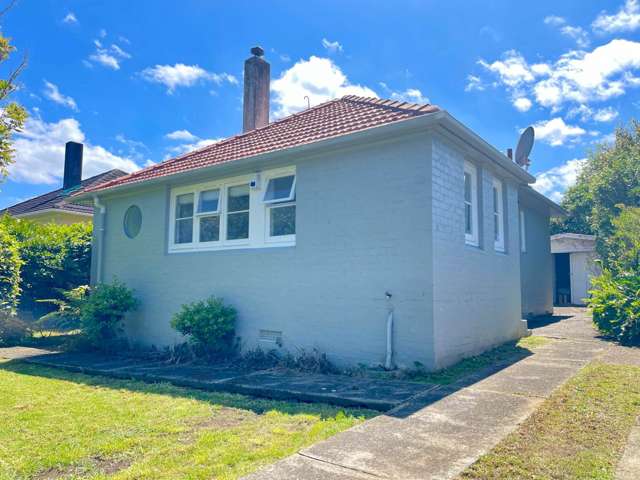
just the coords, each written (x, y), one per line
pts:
(579, 278)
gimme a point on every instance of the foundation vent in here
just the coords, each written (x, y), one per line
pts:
(271, 336)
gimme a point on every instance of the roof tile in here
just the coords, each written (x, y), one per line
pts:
(331, 119)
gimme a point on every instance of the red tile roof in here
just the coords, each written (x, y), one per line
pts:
(329, 120)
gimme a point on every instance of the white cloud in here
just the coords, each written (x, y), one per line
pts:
(626, 20)
(185, 135)
(52, 92)
(410, 95)
(181, 75)
(102, 33)
(576, 77)
(109, 57)
(474, 83)
(70, 18)
(554, 20)
(190, 146)
(318, 78)
(555, 181)
(605, 114)
(522, 104)
(512, 70)
(556, 133)
(332, 47)
(579, 34)
(39, 152)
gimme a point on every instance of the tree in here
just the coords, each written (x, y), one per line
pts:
(608, 182)
(12, 115)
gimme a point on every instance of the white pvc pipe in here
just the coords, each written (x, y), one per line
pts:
(388, 362)
(100, 238)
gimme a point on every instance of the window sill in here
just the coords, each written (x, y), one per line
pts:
(236, 246)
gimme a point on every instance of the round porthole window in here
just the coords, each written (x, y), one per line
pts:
(132, 221)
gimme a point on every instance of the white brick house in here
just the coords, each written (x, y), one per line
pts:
(318, 226)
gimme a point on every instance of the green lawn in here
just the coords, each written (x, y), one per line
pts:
(57, 424)
(578, 433)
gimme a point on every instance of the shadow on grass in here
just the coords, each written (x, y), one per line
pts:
(231, 400)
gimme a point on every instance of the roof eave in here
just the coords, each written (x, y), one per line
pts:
(555, 210)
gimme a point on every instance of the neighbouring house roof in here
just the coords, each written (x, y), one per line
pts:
(56, 200)
(332, 119)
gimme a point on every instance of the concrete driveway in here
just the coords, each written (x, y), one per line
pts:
(438, 434)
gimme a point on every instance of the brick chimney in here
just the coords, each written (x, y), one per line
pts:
(257, 74)
(72, 165)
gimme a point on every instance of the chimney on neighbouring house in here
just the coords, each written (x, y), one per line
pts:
(510, 153)
(257, 74)
(72, 165)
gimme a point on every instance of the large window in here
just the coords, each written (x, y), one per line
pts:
(279, 198)
(249, 211)
(471, 204)
(498, 216)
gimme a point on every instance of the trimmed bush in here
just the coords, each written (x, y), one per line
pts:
(10, 264)
(615, 302)
(102, 313)
(209, 325)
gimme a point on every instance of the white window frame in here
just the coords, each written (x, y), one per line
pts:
(258, 221)
(473, 237)
(523, 232)
(497, 208)
(270, 204)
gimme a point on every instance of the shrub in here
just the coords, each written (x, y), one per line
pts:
(102, 312)
(10, 264)
(54, 257)
(12, 329)
(68, 315)
(209, 326)
(615, 302)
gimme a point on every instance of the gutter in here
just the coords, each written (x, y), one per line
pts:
(415, 124)
(99, 236)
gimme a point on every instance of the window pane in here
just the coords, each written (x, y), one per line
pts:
(237, 226)
(210, 229)
(467, 187)
(496, 227)
(279, 188)
(467, 219)
(283, 221)
(495, 200)
(238, 198)
(184, 231)
(184, 205)
(208, 201)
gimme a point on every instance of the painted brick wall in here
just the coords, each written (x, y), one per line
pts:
(363, 228)
(536, 264)
(476, 294)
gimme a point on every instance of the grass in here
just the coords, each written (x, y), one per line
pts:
(508, 352)
(57, 424)
(578, 433)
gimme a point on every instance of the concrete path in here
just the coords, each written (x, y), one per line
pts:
(340, 390)
(438, 434)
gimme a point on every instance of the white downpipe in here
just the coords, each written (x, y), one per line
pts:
(102, 209)
(388, 362)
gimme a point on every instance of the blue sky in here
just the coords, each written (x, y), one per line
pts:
(139, 82)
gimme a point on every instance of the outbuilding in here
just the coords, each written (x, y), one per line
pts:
(574, 258)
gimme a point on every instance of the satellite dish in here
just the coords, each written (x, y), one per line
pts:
(525, 144)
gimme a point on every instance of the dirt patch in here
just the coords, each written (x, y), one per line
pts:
(104, 465)
(221, 419)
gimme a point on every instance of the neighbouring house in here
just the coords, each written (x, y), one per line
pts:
(326, 227)
(574, 257)
(53, 207)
